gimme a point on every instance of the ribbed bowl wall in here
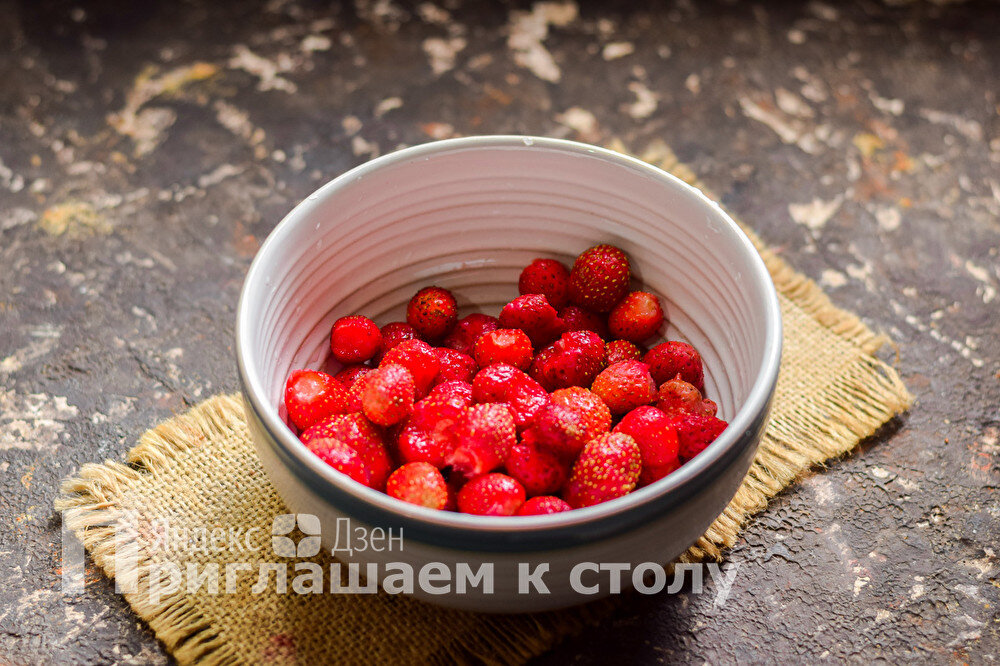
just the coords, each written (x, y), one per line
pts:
(470, 220)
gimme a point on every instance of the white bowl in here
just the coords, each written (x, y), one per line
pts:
(467, 214)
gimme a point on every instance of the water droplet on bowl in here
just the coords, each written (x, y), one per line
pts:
(528, 141)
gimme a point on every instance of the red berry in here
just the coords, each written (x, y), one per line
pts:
(575, 318)
(355, 339)
(492, 382)
(559, 430)
(453, 389)
(388, 395)
(654, 432)
(532, 314)
(695, 432)
(595, 414)
(395, 332)
(468, 330)
(676, 395)
(504, 345)
(625, 386)
(504, 383)
(311, 396)
(540, 472)
(706, 408)
(668, 359)
(491, 495)
(599, 278)
(622, 350)
(455, 366)
(419, 483)
(543, 505)
(432, 312)
(484, 435)
(428, 435)
(361, 435)
(636, 317)
(354, 393)
(342, 458)
(419, 358)
(351, 373)
(572, 360)
(653, 473)
(547, 277)
(608, 467)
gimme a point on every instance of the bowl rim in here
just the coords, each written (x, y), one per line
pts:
(474, 532)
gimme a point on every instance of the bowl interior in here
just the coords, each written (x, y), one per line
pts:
(468, 215)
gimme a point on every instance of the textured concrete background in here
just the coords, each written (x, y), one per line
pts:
(145, 151)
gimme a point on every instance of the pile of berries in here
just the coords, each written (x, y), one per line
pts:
(553, 405)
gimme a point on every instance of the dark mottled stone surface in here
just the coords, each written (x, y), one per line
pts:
(145, 151)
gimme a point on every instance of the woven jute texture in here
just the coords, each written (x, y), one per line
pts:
(198, 471)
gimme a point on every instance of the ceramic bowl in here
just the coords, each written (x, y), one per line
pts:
(468, 214)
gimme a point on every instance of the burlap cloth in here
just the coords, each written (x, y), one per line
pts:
(199, 470)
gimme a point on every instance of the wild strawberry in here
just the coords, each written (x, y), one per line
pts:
(432, 312)
(429, 446)
(654, 432)
(695, 432)
(676, 395)
(653, 473)
(455, 365)
(428, 435)
(622, 350)
(491, 495)
(668, 359)
(506, 384)
(608, 467)
(469, 329)
(706, 408)
(575, 318)
(540, 472)
(543, 505)
(361, 435)
(311, 396)
(599, 278)
(625, 386)
(589, 406)
(504, 345)
(492, 382)
(395, 332)
(419, 358)
(559, 430)
(547, 277)
(351, 373)
(388, 395)
(342, 458)
(453, 389)
(355, 339)
(532, 314)
(355, 392)
(572, 360)
(636, 317)
(484, 435)
(418, 483)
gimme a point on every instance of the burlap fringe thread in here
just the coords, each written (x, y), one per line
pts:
(90, 500)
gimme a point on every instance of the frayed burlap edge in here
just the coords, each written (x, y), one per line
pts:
(91, 506)
(867, 395)
(863, 399)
